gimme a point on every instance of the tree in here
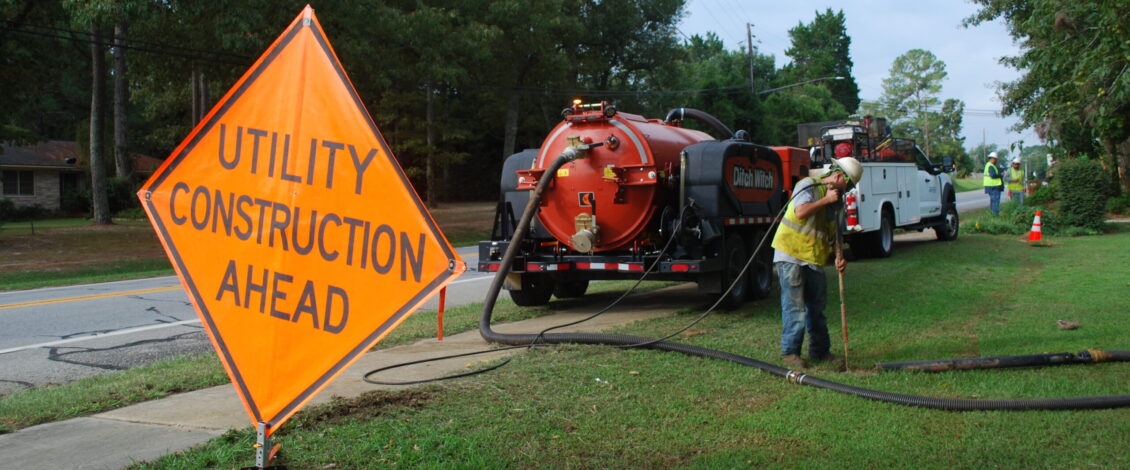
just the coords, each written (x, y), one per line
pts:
(822, 49)
(1075, 88)
(909, 92)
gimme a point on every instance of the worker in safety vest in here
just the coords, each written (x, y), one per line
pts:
(1015, 179)
(804, 245)
(993, 183)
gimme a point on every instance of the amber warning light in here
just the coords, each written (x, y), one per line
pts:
(292, 227)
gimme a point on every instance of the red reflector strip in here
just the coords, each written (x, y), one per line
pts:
(548, 266)
(611, 266)
(488, 267)
(680, 268)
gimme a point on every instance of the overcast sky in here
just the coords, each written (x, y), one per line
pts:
(880, 31)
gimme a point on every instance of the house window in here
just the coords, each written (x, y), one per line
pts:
(19, 183)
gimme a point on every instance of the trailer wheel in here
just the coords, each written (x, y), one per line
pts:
(570, 289)
(761, 276)
(536, 290)
(883, 243)
(735, 259)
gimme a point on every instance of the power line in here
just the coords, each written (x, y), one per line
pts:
(127, 43)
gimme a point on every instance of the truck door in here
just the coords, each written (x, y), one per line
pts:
(929, 195)
(908, 195)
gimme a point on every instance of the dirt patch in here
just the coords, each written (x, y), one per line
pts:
(368, 404)
(72, 248)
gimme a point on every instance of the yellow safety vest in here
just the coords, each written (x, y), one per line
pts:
(1014, 177)
(809, 240)
(991, 182)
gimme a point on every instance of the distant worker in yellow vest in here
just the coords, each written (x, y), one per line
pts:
(993, 183)
(804, 245)
(1015, 179)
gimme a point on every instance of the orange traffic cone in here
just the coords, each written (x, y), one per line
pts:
(1035, 236)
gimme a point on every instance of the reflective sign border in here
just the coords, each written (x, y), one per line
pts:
(210, 121)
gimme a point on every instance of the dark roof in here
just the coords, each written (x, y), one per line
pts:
(50, 154)
(53, 154)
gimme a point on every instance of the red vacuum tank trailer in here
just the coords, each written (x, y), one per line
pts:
(643, 192)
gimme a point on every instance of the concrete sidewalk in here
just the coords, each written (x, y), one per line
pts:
(149, 430)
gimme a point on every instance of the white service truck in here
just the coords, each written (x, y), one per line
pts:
(900, 188)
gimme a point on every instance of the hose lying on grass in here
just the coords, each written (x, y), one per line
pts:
(799, 378)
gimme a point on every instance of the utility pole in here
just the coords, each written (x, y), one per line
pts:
(749, 43)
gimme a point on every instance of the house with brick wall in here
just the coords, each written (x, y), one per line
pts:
(40, 174)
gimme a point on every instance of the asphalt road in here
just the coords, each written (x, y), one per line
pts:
(60, 334)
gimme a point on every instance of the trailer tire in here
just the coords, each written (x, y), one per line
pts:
(536, 290)
(570, 289)
(734, 260)
(761, 272)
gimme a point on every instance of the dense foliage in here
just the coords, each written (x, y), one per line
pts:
(1074, 85)
(1081, 187)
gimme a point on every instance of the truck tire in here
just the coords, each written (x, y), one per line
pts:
(948, 229)
(761, 272)
(536, 290)
(570, 289)
(883, 240)
(734, 259)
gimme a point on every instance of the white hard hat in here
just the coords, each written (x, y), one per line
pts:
(851, 167)
(1016, 161)
(992, 155)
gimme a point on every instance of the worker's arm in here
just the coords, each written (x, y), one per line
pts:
(804, 210)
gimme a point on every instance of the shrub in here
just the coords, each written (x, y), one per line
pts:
(1082, 192)
(7, 209)
(122, 194)
(131, 213)
(1118, 205)
(1041, 196)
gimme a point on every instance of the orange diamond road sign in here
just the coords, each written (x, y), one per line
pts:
(293, 229)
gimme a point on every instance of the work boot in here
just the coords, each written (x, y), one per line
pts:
(794, 361)
(833, 360)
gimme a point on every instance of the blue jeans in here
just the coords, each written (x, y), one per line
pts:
(804, 292)
(1017, 196)
(994, 199)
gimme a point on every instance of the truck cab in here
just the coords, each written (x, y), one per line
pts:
(900, 188)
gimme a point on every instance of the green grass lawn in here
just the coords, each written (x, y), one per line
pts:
(962, 185)
(600, 407)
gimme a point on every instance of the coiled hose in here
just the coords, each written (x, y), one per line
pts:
(799, 378)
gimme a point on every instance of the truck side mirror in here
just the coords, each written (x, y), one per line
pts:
(947, 165)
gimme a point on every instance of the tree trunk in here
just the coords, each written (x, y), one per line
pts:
(121, 100)
(511, 130)
(430, 164)
(195, 95)
(1122, 156)
(97, 173)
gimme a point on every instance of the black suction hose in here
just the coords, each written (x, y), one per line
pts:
(678, 114)
(1029, 360)
(799, 378)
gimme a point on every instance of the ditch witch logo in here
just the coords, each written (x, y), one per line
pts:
(755, 178)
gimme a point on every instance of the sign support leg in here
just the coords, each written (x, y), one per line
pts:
(262, 445)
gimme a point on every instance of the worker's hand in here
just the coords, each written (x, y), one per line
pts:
(841, 264)
(832, 196)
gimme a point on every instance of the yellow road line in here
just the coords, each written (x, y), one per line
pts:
(87, 297)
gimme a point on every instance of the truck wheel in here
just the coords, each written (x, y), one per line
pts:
(535, 291)
(761, 276)
(570, 289)
(734, 259)
(947, 231)
(883, 241)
